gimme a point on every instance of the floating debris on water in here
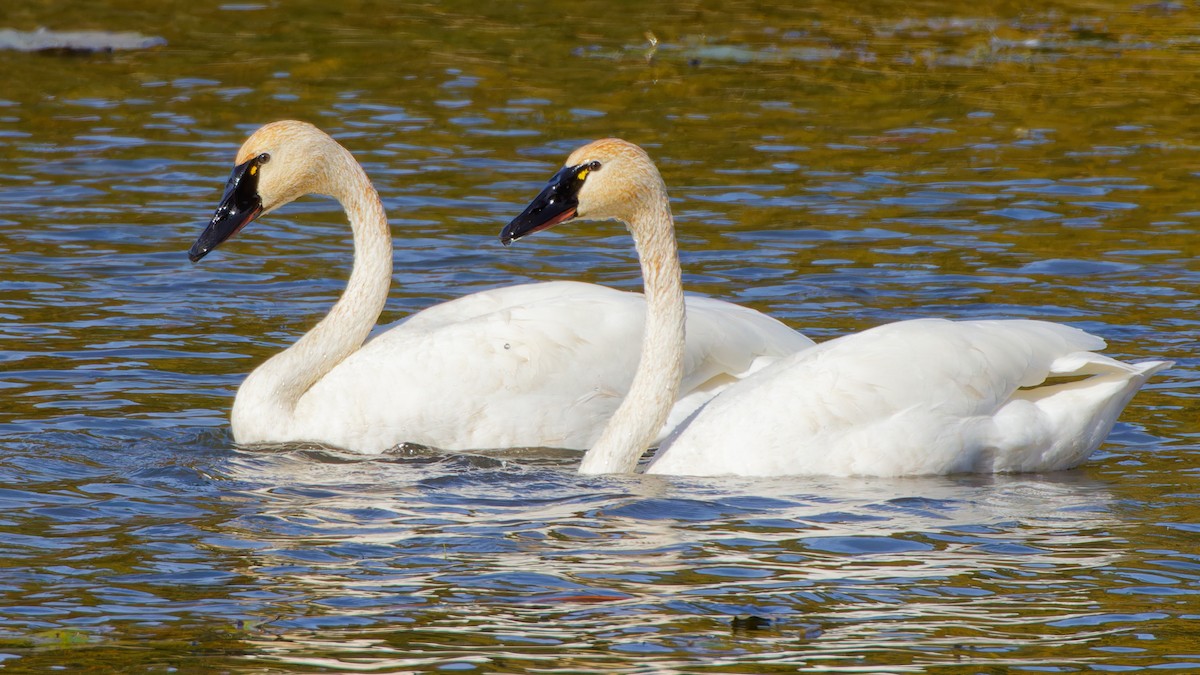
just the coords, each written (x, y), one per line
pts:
(75, 42)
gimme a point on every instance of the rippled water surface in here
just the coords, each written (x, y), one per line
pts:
(835, 167)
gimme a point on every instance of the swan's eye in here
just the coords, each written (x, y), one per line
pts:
(587, 168)
(257, 162)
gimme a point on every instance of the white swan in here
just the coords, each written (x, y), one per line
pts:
(532, 365)
(920, 397)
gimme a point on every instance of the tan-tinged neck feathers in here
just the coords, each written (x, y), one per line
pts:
(304, 160)
(629, 188)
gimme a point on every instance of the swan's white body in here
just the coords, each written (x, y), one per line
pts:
(534, 365)
(911, 398)
(920, 397)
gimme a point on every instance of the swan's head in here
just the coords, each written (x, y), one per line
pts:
(279, 163)
(608, 179)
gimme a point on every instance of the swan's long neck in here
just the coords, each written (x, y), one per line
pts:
(644, 411)
(274, 388)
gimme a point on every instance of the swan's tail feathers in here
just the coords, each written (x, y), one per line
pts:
(1058, 425)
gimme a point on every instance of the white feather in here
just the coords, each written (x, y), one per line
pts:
(534, 365)
(920, 397)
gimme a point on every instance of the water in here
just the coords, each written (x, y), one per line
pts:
(836, 168)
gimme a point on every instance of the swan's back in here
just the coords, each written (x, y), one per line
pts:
(536, 364)
(929, 396)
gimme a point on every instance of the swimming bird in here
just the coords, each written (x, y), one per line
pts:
(534, 365)
(919, 397)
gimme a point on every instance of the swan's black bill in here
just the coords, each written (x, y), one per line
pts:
(555, 204)
(239, 206)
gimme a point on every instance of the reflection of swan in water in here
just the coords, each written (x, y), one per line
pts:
(919, 397)
(532, 365)
(479, 512)
(438, 547)
(432, 495)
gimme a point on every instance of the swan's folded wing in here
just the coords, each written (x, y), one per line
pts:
(961, 367)
(492, 371)
(876, 402)
(726, 343)
(538, 364)
(724, 338)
